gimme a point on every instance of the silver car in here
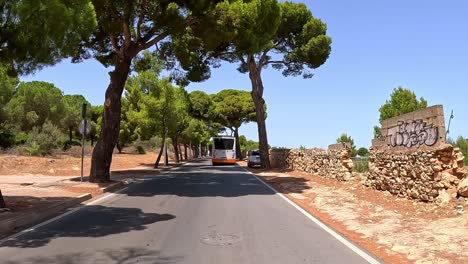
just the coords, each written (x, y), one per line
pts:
(253, 158)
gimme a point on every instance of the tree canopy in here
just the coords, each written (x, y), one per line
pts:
(284, 35)
(201, 105)
(7, 87)
(401, 101)
(232, 108)
(176, 29)
(362, 152)
(344, 138)
(35, 102)
(35, 34)
(71, 117)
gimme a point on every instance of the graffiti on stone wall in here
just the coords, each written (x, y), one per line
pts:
(413, 133)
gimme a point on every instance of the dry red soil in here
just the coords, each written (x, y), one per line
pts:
(67, 165)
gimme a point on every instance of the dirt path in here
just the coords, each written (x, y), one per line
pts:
(396, 230)
(66, 165)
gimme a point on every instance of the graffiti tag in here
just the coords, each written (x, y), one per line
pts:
(413, 133)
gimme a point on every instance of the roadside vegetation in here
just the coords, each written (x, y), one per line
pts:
(402, 101)
(462, 144)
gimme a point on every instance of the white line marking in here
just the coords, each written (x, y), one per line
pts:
(334, 234)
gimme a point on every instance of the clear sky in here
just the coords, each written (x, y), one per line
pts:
(377, 46)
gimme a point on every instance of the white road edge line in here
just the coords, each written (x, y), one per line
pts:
(330, 231)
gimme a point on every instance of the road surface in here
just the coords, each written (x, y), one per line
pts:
(195, 214)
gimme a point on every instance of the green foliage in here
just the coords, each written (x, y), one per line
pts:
(156, 107)
(401, 101)
(34, 34)
(95, 118)
(361, 164)
(46, 137)
(140, 150)
(148, 61)
(7, 138)
(21, 138)
(67, 144)
(344, 138)
(127, 133)
(302, 147)
(198, 132)
(7, 87)
(377, 132)
(362, 152)
(35, 102)
(284, 35)
(279, 148)
(250, 25)
(71, 117)
(34, 149)
(288, 30)
(451, 141)
(232, 108)
(201, 105)
(247, 145)
(462, 144)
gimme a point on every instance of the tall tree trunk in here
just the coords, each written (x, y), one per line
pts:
(185, 152)
(2, 201)
(180, 152)
(102, 153)
(156, 164)
(259, 102)
(238, 148)
(176, 150)
(70, 133)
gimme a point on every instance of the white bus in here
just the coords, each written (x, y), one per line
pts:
(224, 150)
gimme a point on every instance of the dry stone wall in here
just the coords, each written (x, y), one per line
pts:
(335, 164)
(410, 160)
(422, 174)
(278, 158)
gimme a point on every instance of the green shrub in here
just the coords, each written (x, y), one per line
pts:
(462, 144)
(67, 144)
(155, 142)
(34, 149)
(140, 150)
(7, 139)
(362, 152)
(279, 148)
(21, 138)
(361, 164)
(47, 137)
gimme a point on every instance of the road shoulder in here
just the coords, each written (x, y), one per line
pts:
(395, 230)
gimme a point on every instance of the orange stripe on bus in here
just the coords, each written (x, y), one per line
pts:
(224, 160)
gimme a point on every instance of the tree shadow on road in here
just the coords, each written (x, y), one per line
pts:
(116, 256)
(91, 221)
(207, 181)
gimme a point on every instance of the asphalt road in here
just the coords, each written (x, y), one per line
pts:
(194, 214)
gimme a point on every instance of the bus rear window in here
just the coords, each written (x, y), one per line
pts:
(223, 143)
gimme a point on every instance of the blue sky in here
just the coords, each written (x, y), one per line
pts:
(377, 46)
